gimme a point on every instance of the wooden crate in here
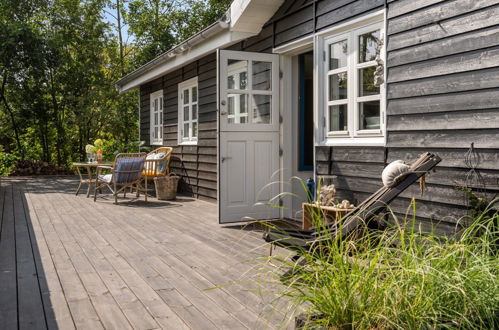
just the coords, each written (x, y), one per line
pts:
(329, 214)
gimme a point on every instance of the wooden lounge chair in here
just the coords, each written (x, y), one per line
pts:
(126, 172)
(300, 240)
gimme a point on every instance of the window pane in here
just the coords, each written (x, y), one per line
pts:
(262, 76)
(160, 103)
(366, 82)
(155, 118)
(186, 96)
(161, 117)
(194, 129)
(338, 117)
(194, 111)
(243, 80)
(262, 109)
(236, 74)
(194, 94)
(338, 55)
(186, 130)
(338, 86)
(242, 102)
(186, 113)
(369, 115)
(237, 106)
(156, 132)
(368, 46)
(231, 82)
(155, 105)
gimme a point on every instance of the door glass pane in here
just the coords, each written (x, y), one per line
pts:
(194, 111)
(262, 109)
(368, 46)
(186, 130)
(186, 113)
(338, 55)
(369, 115)
(194, 94)
(194, 129)
(338, 117)
(262, 76)
(243, 80)
(186, 96)
(366, 82)
(338, 84)
(237, 107)
(237, 71)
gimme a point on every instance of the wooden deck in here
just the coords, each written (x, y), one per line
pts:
(67, 262)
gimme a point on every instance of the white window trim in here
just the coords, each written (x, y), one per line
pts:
(191, 140)
(353, 137)
(156, 96)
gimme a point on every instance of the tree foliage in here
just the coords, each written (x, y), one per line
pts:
(59, 60)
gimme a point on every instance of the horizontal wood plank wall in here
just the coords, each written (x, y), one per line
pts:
(196, 164)
(443, 92)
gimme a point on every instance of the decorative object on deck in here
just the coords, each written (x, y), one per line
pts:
(126, 172)
(329, 214)
(393, 172)
(166, 187)
(327, 194)
(300, 240)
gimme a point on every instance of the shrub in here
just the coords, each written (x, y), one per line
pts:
(397, 278)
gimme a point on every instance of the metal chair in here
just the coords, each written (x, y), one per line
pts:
(126, 172)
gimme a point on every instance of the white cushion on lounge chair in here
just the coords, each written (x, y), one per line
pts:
(105, 177)
(393, 172)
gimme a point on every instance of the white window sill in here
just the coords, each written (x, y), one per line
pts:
(354, 142)
(157, 143)
(188, 143)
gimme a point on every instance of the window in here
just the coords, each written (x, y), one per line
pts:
(354, 90)
(188, 111)
(156, 124)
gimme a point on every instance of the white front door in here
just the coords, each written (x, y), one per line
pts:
(248, 136)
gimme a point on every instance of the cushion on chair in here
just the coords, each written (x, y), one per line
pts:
(134, 165)
(162, 163)
(155, 168)
(393, 172)
(105, 177)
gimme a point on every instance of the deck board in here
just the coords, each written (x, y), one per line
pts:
(67, 262)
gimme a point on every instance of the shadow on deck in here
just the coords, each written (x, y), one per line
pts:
(68, 262)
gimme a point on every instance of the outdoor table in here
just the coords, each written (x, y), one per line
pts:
(90, 179)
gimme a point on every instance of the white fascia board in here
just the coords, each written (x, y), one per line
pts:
(224, 39)
(246, 15)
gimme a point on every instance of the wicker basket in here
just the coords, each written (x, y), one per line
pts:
(166, 187)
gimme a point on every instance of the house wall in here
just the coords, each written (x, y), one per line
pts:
(442, 92)
(197, 164)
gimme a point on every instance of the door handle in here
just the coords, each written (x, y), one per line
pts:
(225, 158)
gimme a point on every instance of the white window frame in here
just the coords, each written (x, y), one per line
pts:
(353, 136)
(156, 121)
(188, 85)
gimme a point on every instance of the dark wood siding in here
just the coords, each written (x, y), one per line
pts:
(196, 164)
(443, 88)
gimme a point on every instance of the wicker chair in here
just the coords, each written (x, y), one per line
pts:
(126, 172)
(155, 167)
